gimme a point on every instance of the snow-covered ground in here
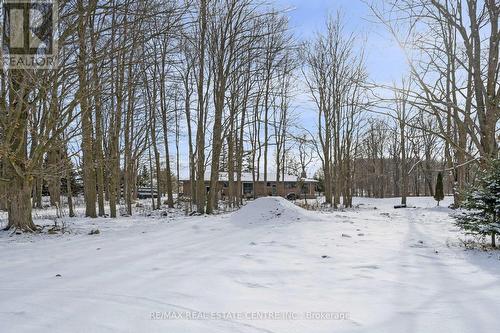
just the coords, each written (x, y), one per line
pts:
(270, 267)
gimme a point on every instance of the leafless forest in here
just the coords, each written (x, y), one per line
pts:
(147, 89)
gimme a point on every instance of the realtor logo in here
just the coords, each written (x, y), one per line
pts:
(29, 28)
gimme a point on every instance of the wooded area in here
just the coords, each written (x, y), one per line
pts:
(142, 84)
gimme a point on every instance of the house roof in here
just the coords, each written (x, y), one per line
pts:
(248, 177)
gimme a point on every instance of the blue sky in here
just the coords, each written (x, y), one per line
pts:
(385, 61)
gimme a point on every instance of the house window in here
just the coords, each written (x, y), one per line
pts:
(247, 188)
(289, 185)
(268, 184)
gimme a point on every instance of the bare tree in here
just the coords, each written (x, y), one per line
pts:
(334, 73)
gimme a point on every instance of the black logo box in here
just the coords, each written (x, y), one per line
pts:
(44, 32)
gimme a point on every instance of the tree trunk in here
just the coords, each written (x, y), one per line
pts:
(54, 180)
(200, 131)
(18, 189)
(69, 190)
(169, 187)
(89, 179)
(19, 204)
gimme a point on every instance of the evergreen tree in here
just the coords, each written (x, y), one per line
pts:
(482, 205)
(143, 177)
(439, 192)
(320, 177)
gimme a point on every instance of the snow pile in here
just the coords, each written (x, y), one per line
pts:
(271, 210)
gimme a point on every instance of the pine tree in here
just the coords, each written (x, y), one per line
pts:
(482, 205)
(143, 177)
(439, 192)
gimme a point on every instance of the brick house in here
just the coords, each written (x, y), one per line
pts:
(291, 185)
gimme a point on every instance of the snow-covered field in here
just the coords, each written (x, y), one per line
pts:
(270, 267)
